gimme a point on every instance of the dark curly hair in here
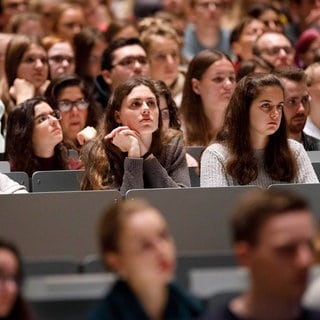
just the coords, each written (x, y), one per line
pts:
(19, 145)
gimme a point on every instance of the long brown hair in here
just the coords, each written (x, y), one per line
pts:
(19, 146)
(17, 47)
(242, 165)
(197, 125)
(104, 161)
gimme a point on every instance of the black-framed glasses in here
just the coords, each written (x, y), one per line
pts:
(67, 105)
(56, 114)
(60, 58)
(276, 50)
(130, 61)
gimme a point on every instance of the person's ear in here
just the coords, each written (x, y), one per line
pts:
(242, 251)
(106, 75)
(113, 261)
(195, 85)
(236, 48)
(117, 116)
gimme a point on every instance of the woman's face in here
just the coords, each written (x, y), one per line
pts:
(271, 20)
(34, 66)
(75, 119)
(94, 63)
(9, 288)
(70, 23)
(266, 112)
(47, 132)
(216, 85)
(146, 251)
(243, 47)
(61, 59)
(139, 111)
(164, 58)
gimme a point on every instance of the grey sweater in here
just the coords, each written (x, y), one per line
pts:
(149, 173)
(213, 171)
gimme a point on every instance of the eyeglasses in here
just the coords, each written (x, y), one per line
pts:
(208, 4)
(46, 116)
(295, 102)
(276, 50)
(268, 107)
(67, 105)
(130, 61)
(61, 58)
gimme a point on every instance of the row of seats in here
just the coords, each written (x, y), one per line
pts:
(67, 221)
(48, 181)
(62, 225)
(69, 180)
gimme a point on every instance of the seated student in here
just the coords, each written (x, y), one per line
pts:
(311, 297)
(9, 186)
(26, 71)
(312, 124)
(124, 59)
(34, 136)
(131, 151)
(79, 111)
(209, 84)
(242, 37)
(252, 147)
(169, 114)
(60, 56)
(136, 244)
(89, 45)
(296, 107)
(272, 233)
(12, 305)
(163, 45)
(275, 48)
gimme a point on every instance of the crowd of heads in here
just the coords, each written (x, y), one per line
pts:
(121, 81)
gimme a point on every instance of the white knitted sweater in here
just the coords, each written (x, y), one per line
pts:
(213, 171)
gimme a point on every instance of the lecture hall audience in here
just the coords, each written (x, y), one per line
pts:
(129, 132)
